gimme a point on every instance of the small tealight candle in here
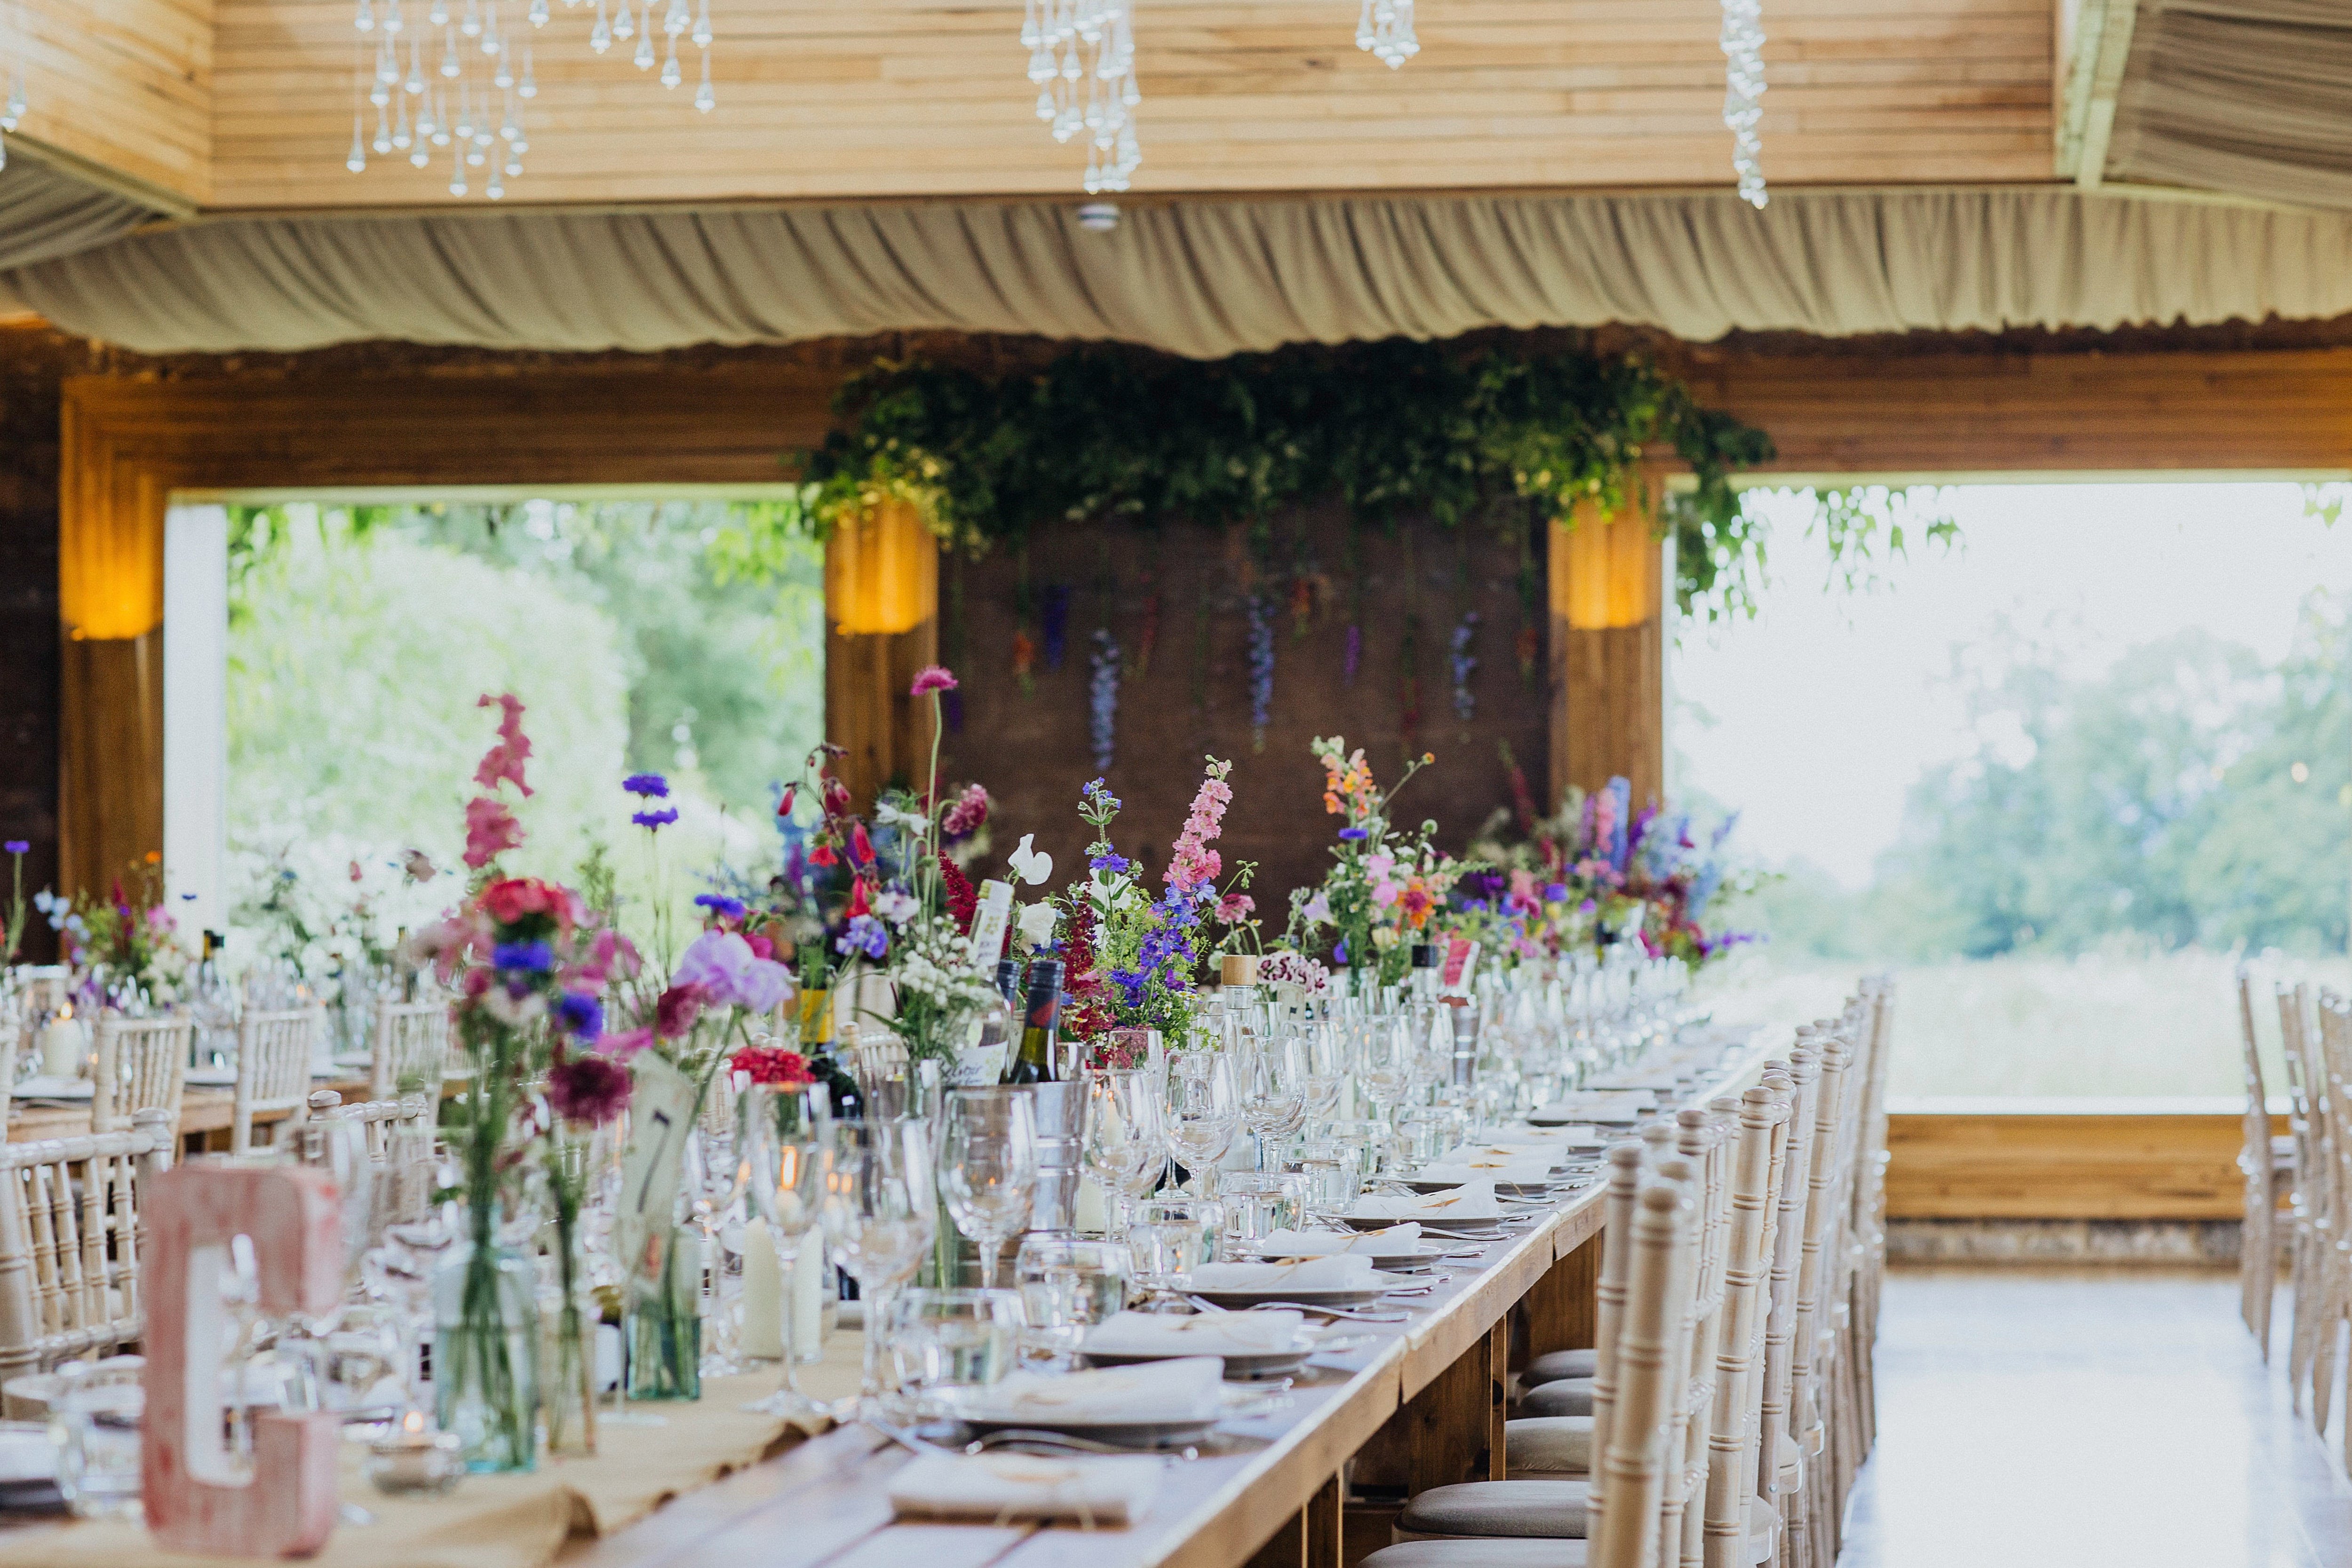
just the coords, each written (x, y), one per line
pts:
(409, 1461)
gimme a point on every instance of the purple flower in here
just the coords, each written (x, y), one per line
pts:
(722, 965)
(1102, 698)
(933, 678)
(1557, 893)
(1465, 701)
(1354, 835)
(1355, 657)
(592, 1089)
(526, 958)
(16, 846)
(1339, 952)
(1114, 863)
(653, 822)
(865, 934)
(719, 904)
(652, 785)
(580, 1013)
(1261, 663)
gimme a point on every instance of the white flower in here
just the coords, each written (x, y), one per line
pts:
(1110, 889)
(1037, 922)
(513, 1011)
(886, 815)
(1031, 866)
(898, 907)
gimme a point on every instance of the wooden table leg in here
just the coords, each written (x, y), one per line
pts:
(1325, 1522)
(1561, 1312)
(1286, 1548)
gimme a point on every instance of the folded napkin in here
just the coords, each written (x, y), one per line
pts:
(1598, 1105)
(1392, 1242)
(1339, 1273)
(1667, 1077)
(1207, 1334)
(1180, 1390)
(1471, 1202)
(1523, 1171)
(1001, 1487)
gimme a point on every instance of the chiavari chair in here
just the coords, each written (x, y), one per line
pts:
(2334, 1292)
(408, 1049)
(71, 1235)
(2258, 1164)
(273, 1068)
(143, 1064)
(2313, 1202)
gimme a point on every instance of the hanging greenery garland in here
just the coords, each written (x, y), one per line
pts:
(1459, 433)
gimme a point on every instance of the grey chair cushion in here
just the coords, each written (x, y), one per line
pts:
(1569, 1397)
(1559, 1363)
(1561, 1444)
(1499, 1552)
(1498, 1508)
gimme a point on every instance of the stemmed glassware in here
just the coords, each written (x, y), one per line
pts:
(716, 1177)
(880, 1216)
(1203, 1111)
(988, 1168)
(1126, 1146)
(784, 1137)
(1272, 1083)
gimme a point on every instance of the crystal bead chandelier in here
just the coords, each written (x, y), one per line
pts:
(1082, 62)
(1743, 93)
(450, 82)
(1384, 31)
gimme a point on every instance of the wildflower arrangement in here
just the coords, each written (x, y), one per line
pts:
(1598, 872)
(1384, 883)
(130, 934)
(1131, 959)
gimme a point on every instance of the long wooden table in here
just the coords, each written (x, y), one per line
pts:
(1421, 1407)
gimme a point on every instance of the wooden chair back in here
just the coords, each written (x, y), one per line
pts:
(1731, 1429)
(1629, 1474)
(409, 1049)
(143, 1064)
(273, 1068)
(2257, 1242)
(1775, 1446)
(70, 1238)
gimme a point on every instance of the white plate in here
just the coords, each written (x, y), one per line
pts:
(1305, 1295)
(1124, 1431)
(1240, 1365)
(43, 1087)
(1502, 1188)
(27, 1457)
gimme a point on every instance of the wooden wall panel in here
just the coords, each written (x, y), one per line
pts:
(2099, 1162)
(859, 98)
(120, 85)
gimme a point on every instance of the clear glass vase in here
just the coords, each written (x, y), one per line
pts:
(567, 1356)
(665, 1325)
(486, 1355)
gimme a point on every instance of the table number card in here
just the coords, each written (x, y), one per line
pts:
(653, 1164)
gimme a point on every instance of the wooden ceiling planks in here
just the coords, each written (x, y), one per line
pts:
(832, 98)
(121, 88)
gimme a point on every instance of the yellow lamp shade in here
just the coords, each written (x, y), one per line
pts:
(881, 573)
(1612, 564)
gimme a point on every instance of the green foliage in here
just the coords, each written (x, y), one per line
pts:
(1460, 434)
(2159, 803)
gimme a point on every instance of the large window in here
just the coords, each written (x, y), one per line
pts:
(2064, 775)
(681, 638)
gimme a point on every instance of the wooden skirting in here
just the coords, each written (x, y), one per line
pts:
(2064, 1159)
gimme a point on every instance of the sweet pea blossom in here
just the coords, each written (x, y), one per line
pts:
(897, 905)
(505, 760)
(1037, 922)
(722, 965)
(1029, 863)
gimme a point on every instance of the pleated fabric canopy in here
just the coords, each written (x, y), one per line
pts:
(1204, 278)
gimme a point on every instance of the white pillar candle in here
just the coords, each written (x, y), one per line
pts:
(1092, 1213)
(63, 1046)
(763, 1295)
(808, 1298)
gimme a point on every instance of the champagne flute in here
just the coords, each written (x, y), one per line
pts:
(988, 1168)
(1125, 1147)
(1203, 1112)
(879, 1219)
(785, 1134)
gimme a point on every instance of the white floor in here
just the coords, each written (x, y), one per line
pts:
(2078, 1418)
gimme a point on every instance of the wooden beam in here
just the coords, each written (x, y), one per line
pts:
(119, 93)
(2090, 1163)
(1608, 649)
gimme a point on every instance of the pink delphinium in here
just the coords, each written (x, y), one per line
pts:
(1235, 907)
(505, 760)
(1192, 863)
(490, 830)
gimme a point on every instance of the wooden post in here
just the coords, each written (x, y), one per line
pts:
(1563, 1309)
(1608, 648)
(882, 625)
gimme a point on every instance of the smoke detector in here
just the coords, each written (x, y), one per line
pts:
(1098, 218)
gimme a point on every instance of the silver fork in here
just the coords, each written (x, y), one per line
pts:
(1357, 1317)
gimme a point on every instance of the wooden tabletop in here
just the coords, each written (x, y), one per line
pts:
(825, 1502)
(203, 1111)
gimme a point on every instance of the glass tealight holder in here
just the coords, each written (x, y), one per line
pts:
(953, 1338)
(413, 1460)
(1171, 1236)
(1067, 1286)
(1257, 1204)
(1330, 1170)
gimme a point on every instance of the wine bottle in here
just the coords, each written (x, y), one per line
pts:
(1040, 1037)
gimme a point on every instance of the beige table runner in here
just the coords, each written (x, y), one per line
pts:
(507, 1521)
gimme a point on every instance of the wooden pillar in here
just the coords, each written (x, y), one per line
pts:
(881, 605)
(1608, 648)
(110, 759)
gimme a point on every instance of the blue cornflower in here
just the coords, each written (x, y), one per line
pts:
(1351, 835)
(1117, 864)
(580, 1013)
(655, 820)
(1339, 952)
(530, 957)
(16, 846)
(652, 785)
(719, 904)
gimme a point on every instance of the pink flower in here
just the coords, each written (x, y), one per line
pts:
(676, 1010)
(588, 1088)
(773, 1064)
(505, 760)
(968, 815)
(1385, 893)
(722, 968)
(1235, 907)
(621, 1047)
(933, 678)
(1380, 865)
(1192, 863)
(490, 830)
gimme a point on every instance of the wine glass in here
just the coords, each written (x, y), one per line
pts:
(1203, 1110)
(716, 1179)
(879, 1219)
(784, 1133)
(1325, 1054)
(988, 1168)
(1272, 1083)
(1125, 1149)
